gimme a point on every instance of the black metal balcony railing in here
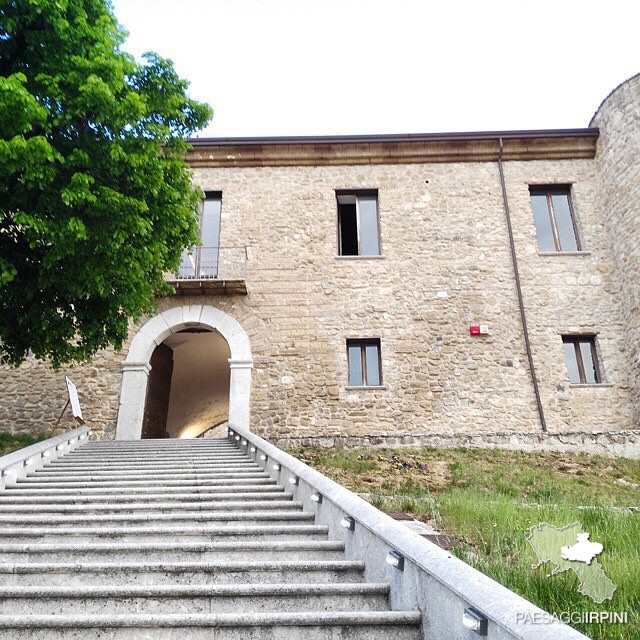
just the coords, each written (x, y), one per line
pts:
(210, 268)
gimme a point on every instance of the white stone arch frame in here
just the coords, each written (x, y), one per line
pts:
(136, 367)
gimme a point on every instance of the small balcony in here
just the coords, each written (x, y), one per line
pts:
(211, 270)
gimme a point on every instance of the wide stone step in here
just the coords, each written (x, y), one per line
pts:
(151, 463)
(163, 443)
(223, 493)
(163, 599)
(166, 444)
(199, 479)
(142, 477)
(127, 485)
(177, 573)
(137, 464)
(173, 446)
(263, 502)
(173, 551)
(109, 456)
(177, 517)
(108, 474)
(359, 625)
(109, 460)
(149, 453)
(41, 488)
(164, 533)
(150, 458)
(105, 451)
(20, 491)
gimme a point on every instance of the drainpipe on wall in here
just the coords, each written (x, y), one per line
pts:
(516, 272)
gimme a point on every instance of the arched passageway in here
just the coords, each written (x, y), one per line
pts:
(188, 388)
(170, 343)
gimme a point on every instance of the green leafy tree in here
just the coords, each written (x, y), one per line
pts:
(96, 199)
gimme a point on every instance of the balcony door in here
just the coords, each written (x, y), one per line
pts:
(202, 261)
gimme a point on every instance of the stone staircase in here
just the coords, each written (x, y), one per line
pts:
(176, 539)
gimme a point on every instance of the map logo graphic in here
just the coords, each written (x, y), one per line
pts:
(569, 549)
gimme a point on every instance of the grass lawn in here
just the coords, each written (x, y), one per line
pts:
(486, 501)
(9, 442)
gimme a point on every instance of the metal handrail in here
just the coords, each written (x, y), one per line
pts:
(212, 263)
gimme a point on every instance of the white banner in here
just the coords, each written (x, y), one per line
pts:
(73, 399)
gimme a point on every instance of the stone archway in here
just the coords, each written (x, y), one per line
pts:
(136, 367)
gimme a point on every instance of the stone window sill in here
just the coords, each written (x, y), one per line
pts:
(360, 257)
(547, 254)
(590, 386)
(369, 387)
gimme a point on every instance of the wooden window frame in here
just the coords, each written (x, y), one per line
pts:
(575, 339)
(362, 343)
(358, 193)
(549, 190)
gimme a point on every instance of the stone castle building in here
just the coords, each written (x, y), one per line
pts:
(478, 288)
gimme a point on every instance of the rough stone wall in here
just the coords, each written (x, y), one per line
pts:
(609, 443)
(33, 396)
(446, 266)
(618, 190)
(566, 294)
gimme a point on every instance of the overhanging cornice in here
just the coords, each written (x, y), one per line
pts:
(481, 146)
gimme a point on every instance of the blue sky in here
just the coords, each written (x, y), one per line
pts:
(303, 67)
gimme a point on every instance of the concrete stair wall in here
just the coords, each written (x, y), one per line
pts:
(177, 539)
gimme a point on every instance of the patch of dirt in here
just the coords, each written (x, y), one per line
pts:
(439, 475)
